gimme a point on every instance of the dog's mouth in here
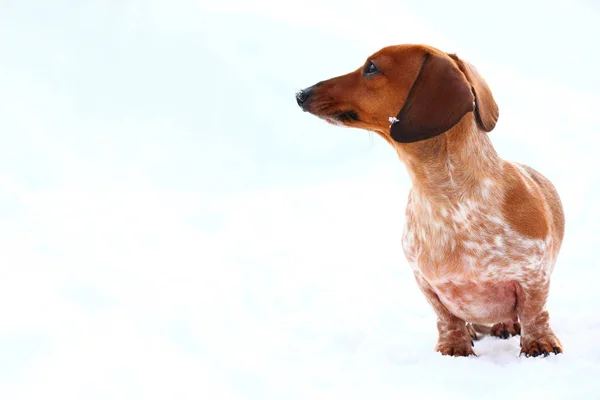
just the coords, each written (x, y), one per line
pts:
(341, 117)
(329, 110)
(346, 116)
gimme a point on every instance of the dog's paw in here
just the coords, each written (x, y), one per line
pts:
(455, 349)
(505, 330)
(541, 346)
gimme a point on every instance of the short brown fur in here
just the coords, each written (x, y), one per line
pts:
(482, 233)
(523, 205)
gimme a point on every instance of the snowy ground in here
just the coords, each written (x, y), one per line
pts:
(173, 227)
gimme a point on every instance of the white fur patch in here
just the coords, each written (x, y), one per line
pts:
(475, 234)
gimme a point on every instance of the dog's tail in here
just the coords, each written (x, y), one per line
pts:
(475, 329)
(483, 329)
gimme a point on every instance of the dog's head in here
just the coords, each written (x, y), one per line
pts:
(407, 93)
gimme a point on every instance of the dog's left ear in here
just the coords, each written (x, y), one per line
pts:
(437, 100)
(486, 109)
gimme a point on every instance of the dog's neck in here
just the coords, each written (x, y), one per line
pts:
(457, 165)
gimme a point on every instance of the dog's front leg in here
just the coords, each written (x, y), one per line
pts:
(454, 337)
(537, 337)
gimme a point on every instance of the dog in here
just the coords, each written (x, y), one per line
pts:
(481, 234)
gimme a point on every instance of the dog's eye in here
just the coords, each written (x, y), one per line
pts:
(370, 69)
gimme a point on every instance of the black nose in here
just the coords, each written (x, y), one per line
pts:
(302, 96)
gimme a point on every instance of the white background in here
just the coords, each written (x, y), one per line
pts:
(172, 226)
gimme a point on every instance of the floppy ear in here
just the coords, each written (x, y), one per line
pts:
(439, 97)
(486, 109)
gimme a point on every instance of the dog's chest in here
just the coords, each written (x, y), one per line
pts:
(467, 241)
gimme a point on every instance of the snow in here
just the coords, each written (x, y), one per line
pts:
(173, 226)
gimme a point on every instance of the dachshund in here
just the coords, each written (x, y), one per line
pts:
(481, 234)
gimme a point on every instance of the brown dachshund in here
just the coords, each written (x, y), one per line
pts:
(482, 234)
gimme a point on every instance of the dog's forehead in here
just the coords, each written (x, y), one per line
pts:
(397, 52)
